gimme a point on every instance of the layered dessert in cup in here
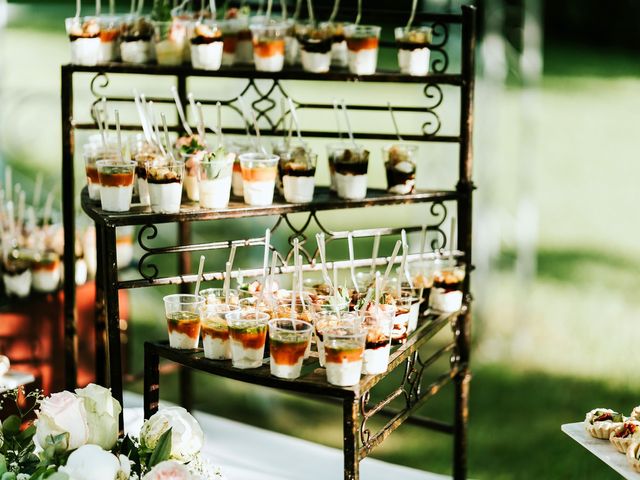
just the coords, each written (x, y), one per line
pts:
(400, 165)
(259, 173)
(91, 154)
(248, 335)
(116, 184)
(214, 179)
(291, 46)
(268, 46)
(409, 300)
(84, 39)
(183, 320)
(143, 153)
(238, 147)
(169, 41)
(46, 272)
(191, 149)
(401, 315)
(377, 346)
(244, 42)
(215, 331)
(217, 296)
(301, 308)
(206, 46)
(351, 165)
(328, 320)
(344, 352)
(230, 29)
(298, 177)
(165, 187)
(315, 48)
(334, 150)
(413, 50)
(339, 51)
(446, 293)
(288, 149)
(16, 275)
(136, 40)
(422, 272)
(109, 38)
(288, 340)
(362, 45)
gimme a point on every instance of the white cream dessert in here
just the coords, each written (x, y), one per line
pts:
(17, 278)
(413, 50)
(247, 345)
(298, 177)
(362, 45)
(46, 273)
(136, 41)
(116, 185)
(84, 39)
(237, 184)
(259, 178)
(142, 160)
(109, 39)
(315, 48)
(93, 181)
(170, 38)
(446, 293)
(291, 49)
(350, 175)
(400, 165)
(343, 365)
(215, 334)
(268, 45)
(288, 341)
(376, 359)
(184, 330)
(214, 178)
(414, 315)
(215, 193)
(191, 150)
(206, 46)
(165, 188)
(351, 187)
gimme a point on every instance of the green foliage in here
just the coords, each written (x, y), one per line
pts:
(130, 448)
(161, 11)
(17, 446)
(162, 450)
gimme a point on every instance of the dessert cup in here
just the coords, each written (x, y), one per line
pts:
(344, 351)
(109, 38)
(183, 320)
(339, 51)
(351, 165)
(248, 335)
(244, 43)
(92, 153)
(288, 340)
(217, 296)
(400, 165)
(16, 274)
(413, 50)
(214, 180)
(288, 149)
(259, 173)
(406, 314)
(300, 308)
(446, 293)
(622, 436)
(165, 187)
(268, 46)
(191, 149)
(230, 29)
(136, 40)
(169, 41)
(116, 184)
(422, 272)
(362, 45)
(334, 150)
(143, 153)
(215, 331)
(46, 272)
(328, 320)
(601, 422)
(315, 48)
(377, 346)
(298, 177)
(206, 46)
(291, 46)
(84, 39)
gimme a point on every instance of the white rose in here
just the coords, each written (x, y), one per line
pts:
(103, 412)
(90, 462)
(169, 470)
(187, 437)
(62, 413)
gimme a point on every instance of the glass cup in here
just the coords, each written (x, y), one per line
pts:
(268, 45)
(116, 184)
(350, 166)
(206, 45)
(378, 324)
(217, 296)
(344, 351)
(327, 320)
(169, 40)
(400, 165)
(446, 294)
(135, 40)
(315, 47)
(84, 40)
(215, 330)
(91, 154)
(214, 181)
(183, 319)
(413, 50)
(288, 340)
(362, 45)
(248, 334)
(165, 187)
(110, 27)
(259, 173)
(298, 177)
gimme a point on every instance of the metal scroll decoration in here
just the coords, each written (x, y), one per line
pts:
(439, 55)
(434, 96)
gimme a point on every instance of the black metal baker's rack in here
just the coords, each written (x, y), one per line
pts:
(359, 441)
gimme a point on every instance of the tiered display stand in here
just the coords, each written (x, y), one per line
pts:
(411, 393)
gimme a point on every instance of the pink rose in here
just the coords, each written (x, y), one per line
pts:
(62, 413)
(169, 470)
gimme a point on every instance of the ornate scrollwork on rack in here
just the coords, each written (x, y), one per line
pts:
(142, 266)
(99, 81)
(434, 96)
(440, 36)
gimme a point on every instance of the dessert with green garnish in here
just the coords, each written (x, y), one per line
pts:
(214, 180)
(184, 329)
(116, 184)
(343, 350)
(215, 331)
(288, 341)
(46, 272)
(248, 335)
(600, 422)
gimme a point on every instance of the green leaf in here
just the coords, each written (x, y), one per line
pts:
(28, 433)
(162, 450)
(8, 476)
(129, 449)
(3, 465)
(11, 426)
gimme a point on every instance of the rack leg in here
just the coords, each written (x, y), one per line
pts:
(113, 315)
(100, 321)
(151, 380)
(461, 383)
(350, 438)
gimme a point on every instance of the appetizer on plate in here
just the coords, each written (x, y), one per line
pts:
(600, 422)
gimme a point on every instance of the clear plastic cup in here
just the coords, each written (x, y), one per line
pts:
(327, 320)
(362, 46)
(413, 50)
(84, 40)
(259, 173)
(165, 187)
(344, 352)
(142, 159)
(136, 40)
(339, 55)
(400, 165)
(230, 29)
(288, 340)
(110, 28)
(315, 47)
(169, 41)
(215, 330)
(248, 334)
(269, 45)
(214, 181)
(183, 319)
(378, 324)
(206, 45)
(446, 294)
(350, 166)
(298, 177)
(91, 154)
(116, 184)
(216, 296)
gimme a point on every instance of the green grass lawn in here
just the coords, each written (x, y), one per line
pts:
(545, 350)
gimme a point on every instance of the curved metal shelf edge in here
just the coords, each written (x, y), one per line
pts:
(312, 381)
(323, 200)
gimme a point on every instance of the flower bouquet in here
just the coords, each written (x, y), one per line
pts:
(75, 437)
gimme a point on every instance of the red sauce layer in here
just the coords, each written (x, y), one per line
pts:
(268, 48)
(334, 355)
(357, 44)
(215, 332)
(116, 180)
(46, 266)
(249, 339)
(286, 353)
(92, 174)
(108, 35)
(191, 328)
